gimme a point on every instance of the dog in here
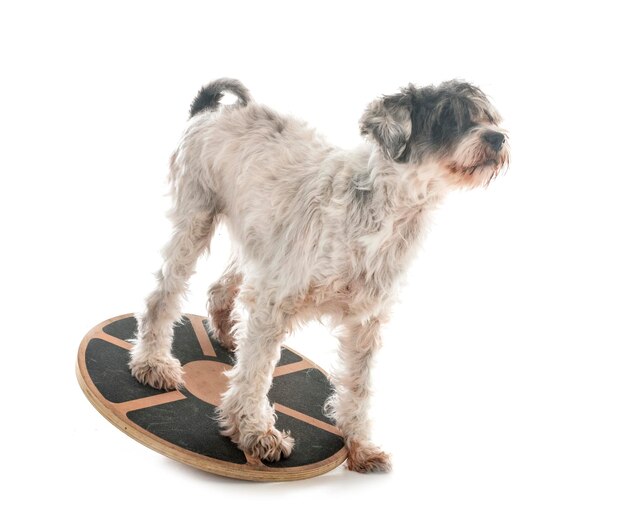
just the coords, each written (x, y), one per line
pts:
(317, 231)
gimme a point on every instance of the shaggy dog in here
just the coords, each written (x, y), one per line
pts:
(318, 231)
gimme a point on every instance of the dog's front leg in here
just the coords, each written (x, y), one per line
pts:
(246, 415)
(349, 405)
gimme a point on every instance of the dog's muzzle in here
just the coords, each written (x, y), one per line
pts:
(494, 139)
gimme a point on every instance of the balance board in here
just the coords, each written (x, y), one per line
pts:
(182, 424)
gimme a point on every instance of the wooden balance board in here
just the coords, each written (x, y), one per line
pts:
(182, 424)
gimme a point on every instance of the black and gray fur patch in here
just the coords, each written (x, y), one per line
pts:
(416, 122)
(208, 98)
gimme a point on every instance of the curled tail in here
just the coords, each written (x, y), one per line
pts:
(208, 98)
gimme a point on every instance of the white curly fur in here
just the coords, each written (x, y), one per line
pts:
(318, 231)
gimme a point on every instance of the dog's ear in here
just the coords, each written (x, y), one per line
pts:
(388, 122)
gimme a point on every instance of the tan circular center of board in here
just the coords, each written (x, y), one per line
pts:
(206, 380)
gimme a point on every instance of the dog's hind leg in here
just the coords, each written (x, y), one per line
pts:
(221, 302)
(151, 361)
(350, 402)
(246, 415)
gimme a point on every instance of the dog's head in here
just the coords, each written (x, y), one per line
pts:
(452, 126)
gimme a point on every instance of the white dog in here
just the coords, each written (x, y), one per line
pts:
(319, 231)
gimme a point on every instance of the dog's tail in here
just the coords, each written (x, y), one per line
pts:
(208, 98)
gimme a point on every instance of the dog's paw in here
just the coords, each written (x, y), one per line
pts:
(227, 341)
(160, 372)
(221, 324)
(364, 457)
(270, 446)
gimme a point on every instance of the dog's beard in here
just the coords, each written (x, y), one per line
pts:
(474, 163)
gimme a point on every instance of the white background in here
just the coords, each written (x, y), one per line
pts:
(501, 389)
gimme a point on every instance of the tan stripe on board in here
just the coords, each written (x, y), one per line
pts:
(203, 338)
(307, 419)
(113, 340)
(292, 368)
(149, 401)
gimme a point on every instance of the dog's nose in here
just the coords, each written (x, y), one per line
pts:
(495, 139)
